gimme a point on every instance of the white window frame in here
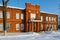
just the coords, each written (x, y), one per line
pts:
(41, 18)
(8, 15)
(47, 18)
(22, 16)
(17, 26)
(17, 16)
(32, 16)
(1, 14)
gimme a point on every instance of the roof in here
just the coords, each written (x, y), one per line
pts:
(24, 8)
(13, 7)
(48, 12)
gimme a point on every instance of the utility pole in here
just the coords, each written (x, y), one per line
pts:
(4, 14)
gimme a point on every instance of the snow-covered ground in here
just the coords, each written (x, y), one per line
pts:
(32, 36)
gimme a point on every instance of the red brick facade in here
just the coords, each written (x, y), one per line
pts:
(29, 26)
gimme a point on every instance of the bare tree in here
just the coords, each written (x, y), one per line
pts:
(4, 14)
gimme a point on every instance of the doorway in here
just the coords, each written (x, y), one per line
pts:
(34, 27)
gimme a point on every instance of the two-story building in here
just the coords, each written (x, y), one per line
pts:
(29, 19)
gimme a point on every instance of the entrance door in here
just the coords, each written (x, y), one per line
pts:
(34, 28)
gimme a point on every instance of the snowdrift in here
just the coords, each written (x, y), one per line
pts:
(48, 35)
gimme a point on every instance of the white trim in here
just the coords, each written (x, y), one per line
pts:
(47, 18)
(12, 7)
(48, 12)
(35, 21)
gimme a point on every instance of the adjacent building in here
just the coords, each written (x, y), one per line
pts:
(29, 19)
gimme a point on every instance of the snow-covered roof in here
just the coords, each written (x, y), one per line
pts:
(45, 12)
(24, 8)
(48, 12)
(13, 7)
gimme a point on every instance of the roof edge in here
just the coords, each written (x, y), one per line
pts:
(47, 12)
(13, 7)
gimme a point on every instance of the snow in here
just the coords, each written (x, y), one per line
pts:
(48, 12)
(13, 7)
(47, 35)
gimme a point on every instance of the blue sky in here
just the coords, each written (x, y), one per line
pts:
(45, 5)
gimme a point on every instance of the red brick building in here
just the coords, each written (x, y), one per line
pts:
(30, 19)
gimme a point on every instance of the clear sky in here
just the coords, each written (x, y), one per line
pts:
(45, 5)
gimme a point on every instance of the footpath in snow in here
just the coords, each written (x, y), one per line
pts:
(32, 36)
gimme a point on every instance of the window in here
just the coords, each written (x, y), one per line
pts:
(41, 26)
(49, 18)
(54, 19)
(17, 15)
(17, 27)
(41, 18)
(22, 26)
(1, 27)
(46, 18)
(52, 27)
(47, 27)
(7, 26)
(8, 15)
(22, 16)
(33, 16)
(1, 14)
